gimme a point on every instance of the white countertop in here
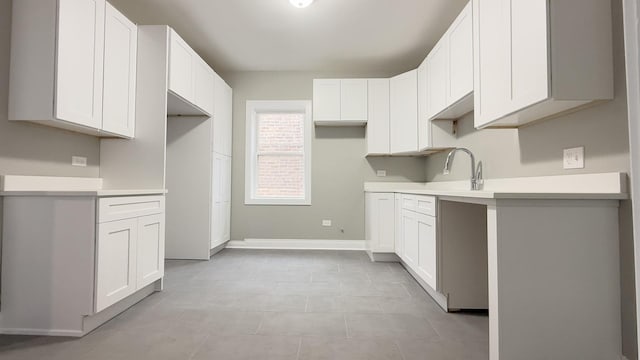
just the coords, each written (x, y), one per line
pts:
(582, 186)
(20, 185)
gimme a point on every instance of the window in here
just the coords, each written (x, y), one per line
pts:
(278, 154)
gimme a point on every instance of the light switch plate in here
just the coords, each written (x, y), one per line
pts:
(79, 161)
(381, 173)
(326, 222)
(573, 158)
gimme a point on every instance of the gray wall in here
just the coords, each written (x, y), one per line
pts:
(537, 150)
(338, 171)
(29, 149)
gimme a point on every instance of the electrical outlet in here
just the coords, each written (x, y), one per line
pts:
(573, 158)
(381, 173)
(79, 161)
(326, 223)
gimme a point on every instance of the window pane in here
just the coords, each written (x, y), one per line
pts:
(278, 132)
(280, 176)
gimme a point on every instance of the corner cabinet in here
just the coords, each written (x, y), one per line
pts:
(73, 66)
(533, 60)
(340, 102)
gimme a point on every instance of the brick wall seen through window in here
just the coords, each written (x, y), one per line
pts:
(280, 155)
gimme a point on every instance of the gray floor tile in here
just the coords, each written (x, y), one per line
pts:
(389, 326)
(344, 304)
(325, 324)
(321, 348)
(413, 349)
(249, 347)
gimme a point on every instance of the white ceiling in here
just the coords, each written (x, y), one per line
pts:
(374, 36)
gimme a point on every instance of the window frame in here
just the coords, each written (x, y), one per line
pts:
(255, 107)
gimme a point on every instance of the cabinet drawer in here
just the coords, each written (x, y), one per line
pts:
(118, 208)
(422, 204)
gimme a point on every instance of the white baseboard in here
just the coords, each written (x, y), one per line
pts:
(41, 332)
(296, 244)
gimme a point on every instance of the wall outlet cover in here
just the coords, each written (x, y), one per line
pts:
(79, 161)
(381, 173)
(573, 158)
(326, 222)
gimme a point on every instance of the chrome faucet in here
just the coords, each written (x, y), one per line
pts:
(476, 172)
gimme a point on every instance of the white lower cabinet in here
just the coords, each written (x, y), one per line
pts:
(427, 259)
(418, 236)
(129, 251)
(116, 262)
(380, 229)
(150, 266)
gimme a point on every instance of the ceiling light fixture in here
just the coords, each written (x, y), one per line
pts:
(301, 3)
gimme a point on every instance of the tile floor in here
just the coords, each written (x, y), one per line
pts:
(257, 304)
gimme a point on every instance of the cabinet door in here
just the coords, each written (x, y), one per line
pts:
(181, 71)
(399, 240)
(326, 99)
(204, 83)
(80, 51)
(378, 113)
(424, 128)
(410, 236)
(383, 219)
(404, 112)
(228, 120)
(227, 200)
(223, 117)
(115, 261)
(150, 252)
(217, 211)
(120, 50)
(492, 59)
(427, 259)
(437, 78)
(460, 38)
(353, 100)
(529, 53)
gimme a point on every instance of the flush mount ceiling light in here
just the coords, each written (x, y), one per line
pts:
(301, 3)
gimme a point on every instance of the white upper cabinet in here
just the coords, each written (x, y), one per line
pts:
(191, 80)
(79, 60)
(353, 100)
(460, 58)
(73, 66)
(340, 102)
(119, 97)
(404, 112)
(449, 70)
(181, 68)
(437, 78)
(204, 84)
(378, 112)
(537, 59)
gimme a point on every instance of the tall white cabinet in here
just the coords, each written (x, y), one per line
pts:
(199, 198)
(221, 179)
(73, 66)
